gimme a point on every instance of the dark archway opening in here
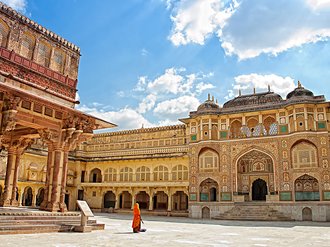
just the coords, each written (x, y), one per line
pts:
(259, 190)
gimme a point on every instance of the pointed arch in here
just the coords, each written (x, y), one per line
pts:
(304, 154)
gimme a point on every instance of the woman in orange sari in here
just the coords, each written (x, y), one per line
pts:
(136, 224)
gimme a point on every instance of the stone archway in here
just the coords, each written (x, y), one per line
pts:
(160, 201)
(109, 200)
(255, 175)
(27, 197)
(142, 198)
(306, 188)
(209, 190)
(259, 190)
(307, 214)
(95, 176)
(125, 200)
(40, 196)
(206, 213)
(180, 201)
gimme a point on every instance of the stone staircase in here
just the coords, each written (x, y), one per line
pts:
(253, 211)
(34, 221)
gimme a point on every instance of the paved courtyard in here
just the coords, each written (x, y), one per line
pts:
(168, 231)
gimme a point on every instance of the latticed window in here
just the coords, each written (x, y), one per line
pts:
(4, 30)
(43, 54)
(208, 161)
(143, 174)
(304, 155)
(180, 172)
(110, 175)
(161, 173)
(126, 174)
(27, 46)
(273, 129)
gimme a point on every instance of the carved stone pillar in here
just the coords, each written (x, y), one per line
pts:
(169, 202)
(6, 198)
(117, 201)
(22, 146)
(63, 183)
(151, 201)
(59, 144)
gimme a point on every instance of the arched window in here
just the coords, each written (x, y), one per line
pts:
(143, 174)
(304, 155)
(4, 31)
(180, 172)
(208, 161)
(126, 174)
(161, 173)
(43, 56)
(27, 46)
(96, 176)
(235, 129)
(110, 175)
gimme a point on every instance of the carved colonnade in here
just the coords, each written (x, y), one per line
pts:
(15, 138)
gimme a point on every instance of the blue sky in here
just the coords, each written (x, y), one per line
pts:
(150, 62)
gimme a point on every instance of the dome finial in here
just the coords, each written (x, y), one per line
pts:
(254, 90)
(268, 88)
(208, 96)
(299, 84)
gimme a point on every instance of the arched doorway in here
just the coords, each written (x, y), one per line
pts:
(95, 176)
(307, 188)
(255, 175)
(259, 190)
(209, 190)
(206, 213)
(307, 214)
(180, 201)
(40, 196)
(142, 198)
(109, 200)
(27, 197)
(160, 201)
(125, 200)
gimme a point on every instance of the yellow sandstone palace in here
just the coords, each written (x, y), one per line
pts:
(256, 153)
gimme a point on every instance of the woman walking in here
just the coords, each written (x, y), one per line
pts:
(136, 224)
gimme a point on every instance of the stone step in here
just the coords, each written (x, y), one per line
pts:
(253, 212)
(43, 222)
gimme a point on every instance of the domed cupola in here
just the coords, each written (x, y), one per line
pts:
(209, 106)
(300, 93)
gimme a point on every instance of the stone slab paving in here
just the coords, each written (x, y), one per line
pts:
(170, 231)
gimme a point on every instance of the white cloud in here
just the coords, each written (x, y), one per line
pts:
(125, 118)
(250, 28)
(170, 82)
(195, 20)
(19, 5)
(140, 86)
(147, 103)
(319, 4)
(202, 86)
(246, 83)
(176, 107)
